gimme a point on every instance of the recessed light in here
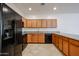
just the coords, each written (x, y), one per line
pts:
(54, 8)
(30, 9)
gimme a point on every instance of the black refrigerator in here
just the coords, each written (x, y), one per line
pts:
(10, 32)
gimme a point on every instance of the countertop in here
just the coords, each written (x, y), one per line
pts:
(73, 36)
(48, 32)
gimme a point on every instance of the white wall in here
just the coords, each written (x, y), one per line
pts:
(67, 23)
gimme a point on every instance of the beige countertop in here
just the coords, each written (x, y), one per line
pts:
(73, 36)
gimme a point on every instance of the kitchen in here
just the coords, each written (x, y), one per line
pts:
(44, 25)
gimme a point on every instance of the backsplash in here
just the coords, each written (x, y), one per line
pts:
(40, 30)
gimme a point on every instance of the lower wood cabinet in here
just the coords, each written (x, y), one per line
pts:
(36, 38)
(41, 38)
(67, 45)
(29, 38)
(73, 47)
(60, 43)
(55, 39)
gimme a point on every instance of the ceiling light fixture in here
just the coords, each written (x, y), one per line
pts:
(54, 8)
(30, 9)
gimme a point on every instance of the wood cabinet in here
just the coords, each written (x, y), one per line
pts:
(33, 23)
(60, 43)
(73, 47)
(40, 23)
(54, 23)
(44, 23)
(55, 39)
(29, 38)
(36, 38)
(29, 23)
(41, 38)
(65, 45)
(49, 23)
(24, 23)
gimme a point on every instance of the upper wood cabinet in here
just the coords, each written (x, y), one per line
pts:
(44, 23)
(54, 23)
(33, 23)
(29, 23)
(40, 23)
(24, 23)
(49, 23)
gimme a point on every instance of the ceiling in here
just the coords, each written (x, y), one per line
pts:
(38, 9)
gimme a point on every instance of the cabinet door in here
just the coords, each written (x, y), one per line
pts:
(73, 47)
(49, 23)
(29, 38)
(24, 23)
(34, 38)
(38, 23)
(65, 46)
(54, 23)
(53, 38)
(57, 40)
(33, 23)
(41, 38)
(44, 23)
(28, 23)
(60, 42)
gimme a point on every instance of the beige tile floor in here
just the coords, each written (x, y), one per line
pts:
(41, 50)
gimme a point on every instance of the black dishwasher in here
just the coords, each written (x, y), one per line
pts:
(48, 38)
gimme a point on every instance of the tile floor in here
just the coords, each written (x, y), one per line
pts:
(41, 50)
